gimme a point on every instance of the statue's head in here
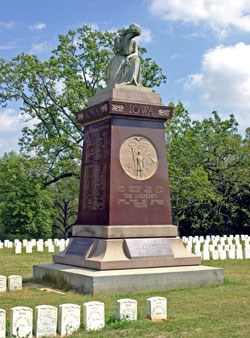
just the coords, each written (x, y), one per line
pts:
(135, 29)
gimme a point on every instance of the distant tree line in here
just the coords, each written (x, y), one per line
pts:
(208, 159)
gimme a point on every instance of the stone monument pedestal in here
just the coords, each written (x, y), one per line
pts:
(124, 216)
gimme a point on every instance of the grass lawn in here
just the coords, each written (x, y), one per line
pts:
(210, 311)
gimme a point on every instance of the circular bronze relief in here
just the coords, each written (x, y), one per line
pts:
(138, 157)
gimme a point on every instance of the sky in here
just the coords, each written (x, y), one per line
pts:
(203, 46)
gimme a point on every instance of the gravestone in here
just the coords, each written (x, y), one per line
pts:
(126, 309)
(28, 248)
(15, 283)
(18, 248)
(46, 321)
(2, 323)
(39, 246)
(3, 282)
(124, 215)
(93, 314)
(157, 308)
(69, 319)
(51, 248)
(21, 322)
(25, 242)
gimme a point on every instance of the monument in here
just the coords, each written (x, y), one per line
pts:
(124, 229)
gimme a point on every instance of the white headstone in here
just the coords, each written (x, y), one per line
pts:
(33, 242)
(3, 282)
(28, 248)
(25, 241)
(1, 245)
(215, 254)
(205, 255)
(46, 321)
(93, 314)
(51, 248)
(21, 322)
(6, 243)
(157, 308)
(15, 282)
(231, 254)
(69, 319)
(18, 248)
(246, 253)
(239, 254)
(223, 254)
(62, 245)
(126, 309)
(39, 246)
(2, 323)
(10, 245)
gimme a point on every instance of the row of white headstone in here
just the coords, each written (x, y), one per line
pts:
(216, 247)
(48, 321)
(39, 245)
(14, 283)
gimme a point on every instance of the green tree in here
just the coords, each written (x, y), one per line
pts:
(208, 165)
(51, 92)
(26, 207)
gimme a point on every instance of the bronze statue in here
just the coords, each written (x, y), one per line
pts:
(125, 66)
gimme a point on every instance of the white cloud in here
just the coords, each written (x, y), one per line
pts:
(39, 47)
(8, 46)
(219, 15)
(38, 26)
(146, 36)
(7, 24)
(225, 76)
(9, 120)
(224, 80)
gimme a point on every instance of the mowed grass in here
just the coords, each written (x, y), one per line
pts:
(210, 311)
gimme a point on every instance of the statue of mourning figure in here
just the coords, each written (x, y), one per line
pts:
(125, 67)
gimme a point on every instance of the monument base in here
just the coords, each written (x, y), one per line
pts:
(89, 281)
(126, 253)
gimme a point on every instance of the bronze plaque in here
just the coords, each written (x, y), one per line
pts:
(138, 157)
(148, 247)
(79, 246)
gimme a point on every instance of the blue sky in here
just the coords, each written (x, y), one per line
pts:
(202, 45)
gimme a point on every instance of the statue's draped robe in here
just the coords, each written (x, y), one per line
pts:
(123, 69)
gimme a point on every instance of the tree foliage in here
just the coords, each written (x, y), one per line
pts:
(209, 165)
(26, 207)
(52, 91)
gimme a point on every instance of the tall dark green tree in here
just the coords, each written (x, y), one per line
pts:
(25, 206)
(208, 164)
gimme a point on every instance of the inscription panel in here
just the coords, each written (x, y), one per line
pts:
(79, 246)
(123, 108)
(140, 196)
(145, 247)
(95, 163)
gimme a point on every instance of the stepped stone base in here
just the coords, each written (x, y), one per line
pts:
(89, 281)
(125, 253)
